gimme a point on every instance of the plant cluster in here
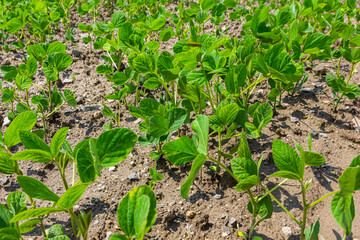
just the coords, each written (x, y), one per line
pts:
(206, 81)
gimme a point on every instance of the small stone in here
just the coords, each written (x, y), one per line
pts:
(307, 90)
(190, 214)
(217, 196)
(132, 163)
(67, 80)
(96, 222)
(76, 53)
(91, 108)
(80, 100)
(294, 119)
(97, 115)
(323, 135)
(224, 234)
(224, 216)
(111, 169)
(314, 134)
(108, 234)
(133, 177)
(286, 230)
(232, 222)
(76, 207)
(6, 122)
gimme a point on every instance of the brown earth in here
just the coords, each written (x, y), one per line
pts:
(220, 211)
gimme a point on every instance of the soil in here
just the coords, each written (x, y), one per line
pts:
(218, 211)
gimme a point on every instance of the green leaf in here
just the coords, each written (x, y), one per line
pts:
(343, 210)
(149, 106)
(29, 225)
(166, 34)
(7, 165)
(71, 196)
(215, 45)
(350, 180)
(262, 115)
(313, 159)
(37, 51)
(69, 97)
(56, 230)
(9, 72)
(285, 174)
(158, 23)
(9, 233)
(14, 25)
(243, 167)
(207, 4)
(104, 69)
(85, 166)
(16, 202)
(176, 118)
(180, 151)
(31, 65)
(286, 159)
(23, 82)
(61, 61)
(316, 42)
(118, 237)
(56, 47)
(58, 140)
(131, 207)
(32, 141)
(24, 121)
(142, 63)
(264, 208)
(35, 155)
(244, 150)
(36, 189)
(32, 213)
(235, 79)
(142, 209)
(201, 126)
(252, 131)
(247, 183)
(227, 113)
(195, 168)
(312, 233)
(355, 162)
(114, 146)
(355, 41)
(158, 126)
(5, 216)
(118, 19)
(342, 30)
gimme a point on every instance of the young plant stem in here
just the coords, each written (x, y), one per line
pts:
(49, 90)
(322, 198)
(273, 189)
(42, 227)
(305, 209)
(282, 206)
(253, 220)
(347, 83)
(137, 90)
(55, 109)
(224, 167)
(208, 87)
(118, 119)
